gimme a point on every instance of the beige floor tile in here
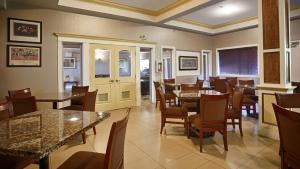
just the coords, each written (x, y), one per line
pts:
(190, 161)
(146, 148)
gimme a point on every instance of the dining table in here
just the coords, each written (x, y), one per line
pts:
(56, 97)
(193, 95)
(39, 133)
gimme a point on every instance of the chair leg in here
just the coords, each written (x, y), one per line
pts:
(162, 124)
(225, 140)
(83, 137)
(254, 110)
(94, 130)
(233, 123)
(248, 110)
(240, 126)
(201, 141)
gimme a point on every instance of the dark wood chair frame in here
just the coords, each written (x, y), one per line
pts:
(205, 127)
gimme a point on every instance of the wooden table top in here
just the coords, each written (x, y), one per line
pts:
(194, 94)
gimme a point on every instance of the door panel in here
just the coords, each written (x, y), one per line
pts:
(113, 74)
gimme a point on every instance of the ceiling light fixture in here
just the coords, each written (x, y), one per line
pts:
(227, 10)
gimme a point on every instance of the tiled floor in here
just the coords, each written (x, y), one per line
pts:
(145, 148)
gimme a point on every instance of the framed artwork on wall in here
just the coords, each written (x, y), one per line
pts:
(25, 31)
(23, 56)
(70, 63)
(188, 63)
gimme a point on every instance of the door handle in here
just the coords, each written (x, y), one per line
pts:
(111, 81)
(117, 81)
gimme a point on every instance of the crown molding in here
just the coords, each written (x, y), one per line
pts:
(136, 9)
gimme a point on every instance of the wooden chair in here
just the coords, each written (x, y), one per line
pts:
(200, 83)
(191, 105)
(235, 111)
(288, 123)
(19, 93)
(170, 97)
(5, 111)
(221, 85)
(212, 117)
(171, 113)
(232, 81)
(78, 101)
(288, 100)
(297, 89)
(112, 159)
(23, 105)
(212, 80)
(89, 103)
(250, 99)
(169, 81)
(246, 82)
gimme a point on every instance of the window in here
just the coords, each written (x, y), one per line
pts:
(238, 61)
(167, 63)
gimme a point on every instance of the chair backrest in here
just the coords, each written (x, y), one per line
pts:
(4, 111)
(78, 90)
(169, 81)
(232, 81)
(213, 109)
(246, 82)
(169, 88)
(23, 105)
(190, 86)
(288, 100)
(237, 100)
(19, 93)
(297, 89)
(89, 101)
(221, 85)
(162, 101)
(157, 86)
(289, 126)
(114, 157)
(200, 83)
(212, 80)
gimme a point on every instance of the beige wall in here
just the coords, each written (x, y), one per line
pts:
(45, 78)
(246, 37)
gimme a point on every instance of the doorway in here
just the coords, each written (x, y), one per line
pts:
(168, 57)
(145, 72)
(112, 73)
(206, 64)
(72, 65)
(295, 61)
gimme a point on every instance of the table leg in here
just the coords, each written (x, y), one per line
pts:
(44, 163)
(54, 105)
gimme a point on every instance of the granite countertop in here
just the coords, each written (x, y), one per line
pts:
(42, 132)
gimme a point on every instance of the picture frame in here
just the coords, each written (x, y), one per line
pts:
(24, 56)
(158, 66)
(24, 31)
(188, 63)
(70, 63)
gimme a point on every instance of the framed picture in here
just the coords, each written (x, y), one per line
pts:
(158, 66)
(23, 56)
(188, 63)
(70, 63)
(25, 31)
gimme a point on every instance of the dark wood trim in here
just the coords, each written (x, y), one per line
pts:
(271, 63)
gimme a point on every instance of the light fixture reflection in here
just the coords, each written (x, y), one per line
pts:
(74, 119)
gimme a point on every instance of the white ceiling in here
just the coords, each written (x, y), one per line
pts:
(224, 12)
(153, 5)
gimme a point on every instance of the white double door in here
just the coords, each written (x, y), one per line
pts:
(113, 73)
